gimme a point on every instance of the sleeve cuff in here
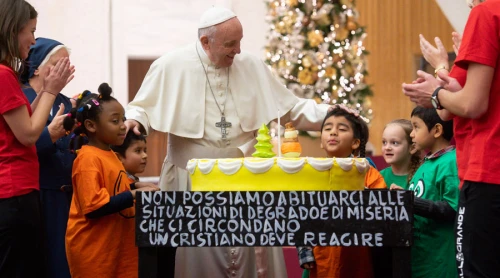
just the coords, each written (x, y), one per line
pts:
(306, 255)
(248, 148)
(139, 116)
(420, 205)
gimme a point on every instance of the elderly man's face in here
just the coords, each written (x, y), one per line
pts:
(225, 44)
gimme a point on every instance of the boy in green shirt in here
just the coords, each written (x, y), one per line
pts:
(436, 187)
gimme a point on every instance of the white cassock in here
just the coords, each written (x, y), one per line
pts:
(175, 97)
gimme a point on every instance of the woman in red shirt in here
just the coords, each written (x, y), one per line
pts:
(20, 126)
(476, 100)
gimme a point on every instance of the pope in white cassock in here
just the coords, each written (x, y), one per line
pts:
(210, 97)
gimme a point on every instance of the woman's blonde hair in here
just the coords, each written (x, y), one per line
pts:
(415, 159)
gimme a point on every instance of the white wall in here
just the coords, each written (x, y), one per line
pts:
(84, 27)
(456, 11)
(104, 34)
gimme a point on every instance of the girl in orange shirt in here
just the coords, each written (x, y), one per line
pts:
(100, 238)
(342, 135)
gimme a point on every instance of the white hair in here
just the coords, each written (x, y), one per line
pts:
(208, 32)
(54, 51)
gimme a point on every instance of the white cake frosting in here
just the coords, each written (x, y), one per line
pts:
(261, 165)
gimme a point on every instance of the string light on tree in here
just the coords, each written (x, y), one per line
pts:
(316, 47)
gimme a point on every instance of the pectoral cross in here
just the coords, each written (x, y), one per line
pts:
(223, 125)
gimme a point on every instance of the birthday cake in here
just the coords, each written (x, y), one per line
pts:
(265, 172)
(277, 174)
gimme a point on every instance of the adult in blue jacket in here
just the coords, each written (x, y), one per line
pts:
(55, 159)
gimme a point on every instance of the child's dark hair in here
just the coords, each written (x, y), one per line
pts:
(416, 158)
(359, 128)
(431, 118)
(129, 140)
(88, 107)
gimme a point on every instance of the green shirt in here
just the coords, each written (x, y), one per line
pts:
(433, 251)
(391, 178)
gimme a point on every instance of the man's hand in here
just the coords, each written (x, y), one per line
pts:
(345, 108)
(421, 93)
(134, 125)
(55, 128)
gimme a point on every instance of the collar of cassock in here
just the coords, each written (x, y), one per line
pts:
(203, 55)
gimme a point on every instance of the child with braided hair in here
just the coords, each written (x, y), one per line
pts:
(400, 153)
(343, 134)
(100, 237)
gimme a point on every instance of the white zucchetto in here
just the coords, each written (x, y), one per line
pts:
(214, 16)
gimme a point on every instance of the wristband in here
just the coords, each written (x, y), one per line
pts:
(438, 69)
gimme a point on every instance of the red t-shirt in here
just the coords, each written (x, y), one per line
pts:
(480, 44)
(18, 164)
(461, 129)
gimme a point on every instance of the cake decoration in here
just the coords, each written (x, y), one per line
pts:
(291, 166)
(291, 146)
(264, 147)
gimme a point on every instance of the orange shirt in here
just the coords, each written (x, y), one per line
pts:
(105, 246)
(352, 262)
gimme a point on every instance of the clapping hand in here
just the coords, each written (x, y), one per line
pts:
(58, 76)
(55, 128)
(437, 56)
(457, 40)
(420, 91)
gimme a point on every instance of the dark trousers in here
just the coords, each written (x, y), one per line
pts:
(166, 262)
(478, 230)
(157, 262)
(21, 237)
(55, 208)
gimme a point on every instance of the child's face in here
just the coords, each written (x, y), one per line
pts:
(395, 146)
(337, 137)
(136, 157)
(420, 135)
(109, 129)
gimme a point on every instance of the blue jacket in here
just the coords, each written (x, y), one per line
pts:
(56, 161)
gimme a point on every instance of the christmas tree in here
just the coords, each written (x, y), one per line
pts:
(264, 147)
(316, 48)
